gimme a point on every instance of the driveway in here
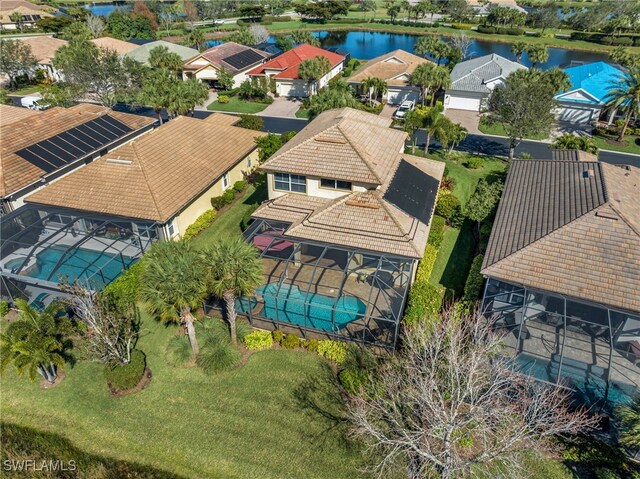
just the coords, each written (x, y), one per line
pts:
(468, 119)
(213, 96)
(388, 111)
(282, 108)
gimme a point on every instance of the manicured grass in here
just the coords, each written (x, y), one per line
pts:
(498, 130)
(227, 224)
(632, 144)
(302, 113)
(237, 105)
(27, 90)
(268, 419)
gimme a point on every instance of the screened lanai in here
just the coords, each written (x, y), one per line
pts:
(325, 291)
(42, 246)
(590, 349)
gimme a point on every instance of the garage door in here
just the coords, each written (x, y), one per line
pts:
(397, 96)
(581, 116)
(458, 102)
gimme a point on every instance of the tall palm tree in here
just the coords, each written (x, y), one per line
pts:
(569, 141)
(435, 124)
(518, 48)
(441, 78)
(234, 270)
(188, 94)
(313, 69)
(558, 79)
(340, 95)
(161, 57)
(433, 45)
(537, 54)
(624, 94)
(374, 86)
(172, 284)
(196, 39)
(36, 343)
(422, 77)
(158, 89)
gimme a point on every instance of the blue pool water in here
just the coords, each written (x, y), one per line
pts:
(79, 264)
(311, 310)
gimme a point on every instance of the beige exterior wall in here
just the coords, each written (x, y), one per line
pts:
(314, 188)
(203, 203)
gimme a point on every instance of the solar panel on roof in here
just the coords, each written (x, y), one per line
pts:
(75, 143)
(413, 191)
(243, 59)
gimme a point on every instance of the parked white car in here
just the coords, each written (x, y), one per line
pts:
(405, 107)
(33, 102)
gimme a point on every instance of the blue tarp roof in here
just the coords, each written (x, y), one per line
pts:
(595, 78)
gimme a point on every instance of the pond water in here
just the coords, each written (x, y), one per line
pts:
(105, 9)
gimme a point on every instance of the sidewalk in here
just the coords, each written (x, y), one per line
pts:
(213, 96)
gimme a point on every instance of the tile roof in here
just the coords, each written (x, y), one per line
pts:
(363, 220)
(216, 56)
(10, 114)
(141, 53)
(471, 75)
(222, 119)
(595, 78)
(344, 144)
(7, 7)
(156, 175)
(390, 67)
(44, 48)
(15, 171)
(570, 227)
(572, 155)
(290, 61)
(120, 46)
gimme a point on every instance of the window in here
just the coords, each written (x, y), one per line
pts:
(173, 230)
(335, 184)
(248, 162)
(225, 181)
(287, 182)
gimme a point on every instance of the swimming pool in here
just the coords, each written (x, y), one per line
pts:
(312, 310)
(78, 263)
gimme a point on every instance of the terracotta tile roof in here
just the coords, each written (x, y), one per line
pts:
(363, 220)
(44, 48)
(290, 61)
(570, 227)
(119, 46)
(155, 176)
(216, 56)
(222, 119)
(15, 171)
(344, 144)
(393, 67)
(7, 7)
(11, 114)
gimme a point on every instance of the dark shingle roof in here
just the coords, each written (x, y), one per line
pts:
(572, 155)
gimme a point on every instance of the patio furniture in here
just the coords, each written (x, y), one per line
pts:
(265, 240)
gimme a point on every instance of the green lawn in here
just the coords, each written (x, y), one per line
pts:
(268, 419)
(632, 144)
(302, 113)
(237, 105)
(498, 130)
(26, 90)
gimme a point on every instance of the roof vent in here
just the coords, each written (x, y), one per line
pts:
(589, 173)
(119, 161)
(324, 139)
(607, 215)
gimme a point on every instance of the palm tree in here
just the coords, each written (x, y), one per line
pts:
(375, 86)
(189, 93)
(340, 95)
(569, 141)
(624, 94)
(456, 133)
(537, 54)
(518, 48)
(313, 69)
(629, 417)
(158, 90)
(433, 45)
(423, 77)
(161, 57)
(36, 343)
(172, 284)
(435, 124)
(441, 78)
(234, 270)
(558, 79)
(196, 38)
(393, 11)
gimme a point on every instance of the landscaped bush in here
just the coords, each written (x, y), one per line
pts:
(462, 26)
(425, 301)
(199, 225)
(436, 233)
(510, 31)
(486, 29)
(123, 291)
(625, 41)
(251, 122)
(353, 380)
(126, 376)
(485, 232)
(217, 354)
(228, 196)
(473, 286)
(277, 335)
(311, 345)
(223, 99)
(271, 18)
(447, 183)
(4, 308)
(229, 93)
(448, 206)
(258, 340)
(219, 201)
(426, 263)
(332, 350)
(290, 341)
(357, 367)
(239, 186)
(474, 163)
(178, 351)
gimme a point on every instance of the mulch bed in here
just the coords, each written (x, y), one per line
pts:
(144, 382)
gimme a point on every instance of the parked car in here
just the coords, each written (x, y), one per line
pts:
(405, 107)
(33, 102)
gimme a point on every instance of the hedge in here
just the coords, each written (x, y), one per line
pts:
(473, 286)
(126, 376)
(200, 224)
(447, 206)
(461, 26)
(258, 340)
(425, 301)
(122, 292)
(332, 350)
(436, 233)
(510, 31)
(426, 263)
(486, 29)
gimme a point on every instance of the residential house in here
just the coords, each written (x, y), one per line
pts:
(284, 69)
(229, 56)
(472, 81)
(29, 13)
(39, 147)
(584, 102)
(395, 68)
(563, 275)
(44, 49)
(119, 46)
(346, 221)
(142, 52)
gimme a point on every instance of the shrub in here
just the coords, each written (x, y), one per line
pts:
(332, 350)
(178, 351)
(436, 233)
(426, 263)
(447, 206)
(353, 381)
(258, 340)
(474, 163)
(251, 122)
(461, 26)
(239, 186)
(311, 345)
(242, 23)
(123, 291)
(486, 29)
(473, 286)
(218, 202)
(228, 196)
(290, 341)
(625, 41)
(448, 183)
(229, 93)
(4, 308)
(126, 376)
(200, 224)
(425, 301)
(223, 99)
(277, 335)
(217, 355)
(510, 31)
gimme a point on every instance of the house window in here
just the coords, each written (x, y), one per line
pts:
(248, 162)
(335, 184)
(225, 181)
(287, 182)
(172, 229)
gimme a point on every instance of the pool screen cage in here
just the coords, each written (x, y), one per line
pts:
(325, 291)
(41, 246)
(592, 350)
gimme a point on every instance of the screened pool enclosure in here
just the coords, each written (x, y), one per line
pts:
(325, 291)
(590, 349)
(42, 246)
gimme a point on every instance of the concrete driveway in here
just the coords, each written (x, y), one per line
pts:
(282, 108)
(468, 119)
(388, 111)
